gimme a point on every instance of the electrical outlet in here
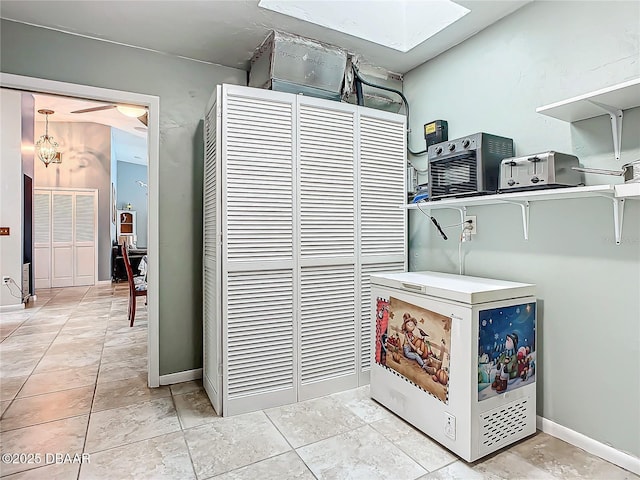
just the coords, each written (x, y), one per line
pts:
(450, 426)
(6, 279)
(474, 227)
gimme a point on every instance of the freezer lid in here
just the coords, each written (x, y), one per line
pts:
(459, 288)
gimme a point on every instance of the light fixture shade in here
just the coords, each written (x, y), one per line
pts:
(46, 146)
(131, 111)
(47, 149)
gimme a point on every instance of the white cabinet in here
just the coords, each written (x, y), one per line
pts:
(301, 205)
(127, 223)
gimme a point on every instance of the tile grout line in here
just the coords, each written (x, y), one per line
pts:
(76, 302)
(410, 456)
(182, 431)
(32, 373)
(42, 423)
(36, 365)
(48, 347)
(288, 443)
(95, 386)
(34, 368)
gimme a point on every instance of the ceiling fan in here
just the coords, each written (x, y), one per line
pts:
(136, 111)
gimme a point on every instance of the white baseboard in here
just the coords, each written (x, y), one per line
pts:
(103, 282)
(610, 454)
(180, 377)
(12, 308)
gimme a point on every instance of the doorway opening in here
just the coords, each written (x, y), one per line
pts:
(151, 104)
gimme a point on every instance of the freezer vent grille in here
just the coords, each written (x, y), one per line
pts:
(504, 424)
(326, 183)
(382, 192)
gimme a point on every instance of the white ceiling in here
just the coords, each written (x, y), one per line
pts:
(129, 140)
(228, 32)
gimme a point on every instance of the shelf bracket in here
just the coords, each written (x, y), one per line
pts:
(524, 207)
(615, 115)
(618, 217)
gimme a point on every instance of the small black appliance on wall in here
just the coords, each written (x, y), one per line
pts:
(436, 132)
(467, 166)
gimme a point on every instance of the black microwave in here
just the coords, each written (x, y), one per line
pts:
(467, 166)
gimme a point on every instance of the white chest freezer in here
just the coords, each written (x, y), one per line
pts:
(455, 356)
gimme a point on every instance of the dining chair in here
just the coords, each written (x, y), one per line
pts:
(135, 289)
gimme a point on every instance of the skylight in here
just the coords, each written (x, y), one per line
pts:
(397, 24)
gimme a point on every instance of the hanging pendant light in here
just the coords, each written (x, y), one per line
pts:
(46, 147)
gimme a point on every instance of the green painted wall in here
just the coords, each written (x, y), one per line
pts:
(589, 288)
(184, 88)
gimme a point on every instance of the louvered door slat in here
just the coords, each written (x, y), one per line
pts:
(62, 207)
(85, 218)
(41, 217)
(326, 164)
(382, 193)
(327, 332)
(259, 165)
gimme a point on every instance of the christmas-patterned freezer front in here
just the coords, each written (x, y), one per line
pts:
(506, 349)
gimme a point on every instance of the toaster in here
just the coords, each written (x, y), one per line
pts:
(541, 170)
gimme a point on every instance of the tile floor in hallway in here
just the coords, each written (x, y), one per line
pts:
(73, 380)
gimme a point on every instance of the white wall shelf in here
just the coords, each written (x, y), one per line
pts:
(610, 100)
(616, 193)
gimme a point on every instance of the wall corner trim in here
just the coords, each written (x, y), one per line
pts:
(610, 454)
(180, 377)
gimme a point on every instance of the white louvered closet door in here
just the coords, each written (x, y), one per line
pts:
(259, 334)
(328, 237)
(84, 235)
(212, 363)
(382, 220)
(42, 238)
(65, 224)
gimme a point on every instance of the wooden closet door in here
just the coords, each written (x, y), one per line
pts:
(327, 175)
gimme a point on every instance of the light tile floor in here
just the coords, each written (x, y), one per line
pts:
(73, 380)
